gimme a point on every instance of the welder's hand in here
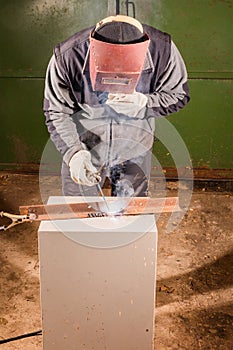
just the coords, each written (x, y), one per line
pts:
(82, 170)
(128, 104)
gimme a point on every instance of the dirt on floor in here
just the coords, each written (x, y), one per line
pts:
(194, 292)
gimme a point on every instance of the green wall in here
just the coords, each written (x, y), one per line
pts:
(202, 30)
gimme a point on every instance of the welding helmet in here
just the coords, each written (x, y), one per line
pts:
(118, 47)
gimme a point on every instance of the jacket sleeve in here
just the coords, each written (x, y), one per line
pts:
(171, 93)
(58, 109)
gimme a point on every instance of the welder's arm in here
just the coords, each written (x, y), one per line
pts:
(59, 108)
(171, 92)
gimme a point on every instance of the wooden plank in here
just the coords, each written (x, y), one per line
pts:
(118, 206)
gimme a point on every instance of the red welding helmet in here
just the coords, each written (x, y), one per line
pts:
(118, 47)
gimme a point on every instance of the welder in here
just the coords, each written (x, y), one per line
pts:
(104, 88)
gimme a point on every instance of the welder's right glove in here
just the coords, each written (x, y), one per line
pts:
(82, 170)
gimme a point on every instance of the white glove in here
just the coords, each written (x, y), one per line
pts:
(82, 170)
(128, 104)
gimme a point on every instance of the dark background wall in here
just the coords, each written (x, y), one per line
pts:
(202, 30)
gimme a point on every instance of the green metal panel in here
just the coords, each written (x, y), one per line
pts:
(206, 126)
(202, 30)
(29, 30)
(22, 122)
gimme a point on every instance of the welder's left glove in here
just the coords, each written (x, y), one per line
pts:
(128, 104)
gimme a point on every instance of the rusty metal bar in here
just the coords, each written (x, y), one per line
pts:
(134, 206)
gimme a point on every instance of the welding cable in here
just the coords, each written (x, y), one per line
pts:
(3, 341)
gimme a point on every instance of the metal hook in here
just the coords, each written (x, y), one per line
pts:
(127, 3)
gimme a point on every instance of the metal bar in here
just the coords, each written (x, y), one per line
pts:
(133, 206)
(117, 7)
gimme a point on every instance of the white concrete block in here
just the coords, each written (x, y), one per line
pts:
(98, 282)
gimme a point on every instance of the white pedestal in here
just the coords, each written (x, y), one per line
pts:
(98, 282)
